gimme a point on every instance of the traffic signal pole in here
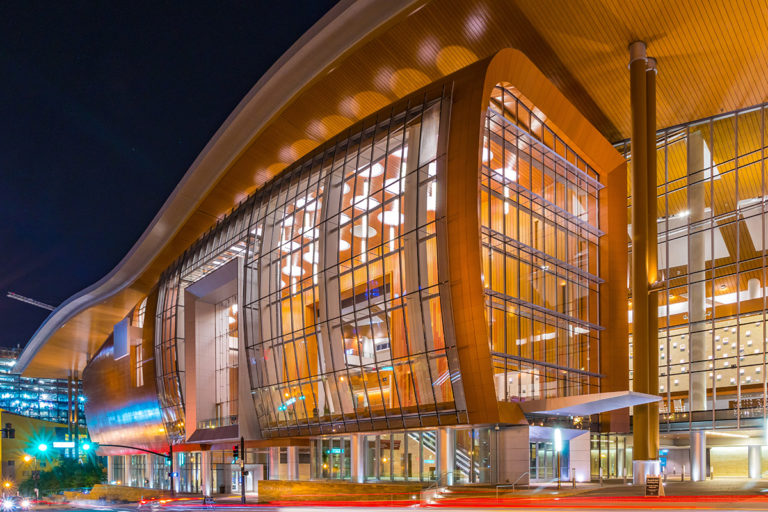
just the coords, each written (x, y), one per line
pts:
(242, 470)
(170, 457)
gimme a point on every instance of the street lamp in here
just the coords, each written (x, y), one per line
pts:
(86, 447)
(558, 449)
(42, 447)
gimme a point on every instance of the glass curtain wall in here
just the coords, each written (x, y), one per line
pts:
(540, 239)
(712, 234)
(343, 313)
(226, 373)
(223, 243)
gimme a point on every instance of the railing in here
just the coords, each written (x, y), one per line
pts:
(217, 422)
(512, 485)
(434, 487)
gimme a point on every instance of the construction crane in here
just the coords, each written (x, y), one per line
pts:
(21, 298)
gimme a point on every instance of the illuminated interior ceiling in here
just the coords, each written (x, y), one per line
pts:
(364, 55)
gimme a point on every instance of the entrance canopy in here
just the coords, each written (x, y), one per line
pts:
(586, 405)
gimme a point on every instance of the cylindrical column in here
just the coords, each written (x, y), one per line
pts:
(127, 470)
(640, 350)
(755, 461)
(446, 439)
(652, 248)
(110, 469)
(698, 455)
(206, 474)
(293, 463)
(274, 463)
(357, 457)
(149, 475)
(697, 294)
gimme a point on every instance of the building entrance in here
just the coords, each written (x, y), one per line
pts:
(543, 462)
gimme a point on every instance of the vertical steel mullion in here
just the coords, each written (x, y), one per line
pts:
(712, 228)
(738, 268)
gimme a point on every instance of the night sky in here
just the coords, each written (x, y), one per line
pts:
(103, 108)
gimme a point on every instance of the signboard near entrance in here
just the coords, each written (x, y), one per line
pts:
(653, 486)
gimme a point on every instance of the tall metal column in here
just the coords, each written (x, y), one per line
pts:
(274, 463)
(206, 472)
(640, 348)
(293, 463)
(446, 439)
(652, 248)
(357, 458)
(698, 455)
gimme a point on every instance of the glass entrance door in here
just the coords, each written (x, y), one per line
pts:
(543, 462)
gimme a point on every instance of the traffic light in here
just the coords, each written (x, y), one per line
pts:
(235, 452)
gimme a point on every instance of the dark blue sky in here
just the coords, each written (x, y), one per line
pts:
(103, 107)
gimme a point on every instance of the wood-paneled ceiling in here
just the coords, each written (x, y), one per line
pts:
(712, 57)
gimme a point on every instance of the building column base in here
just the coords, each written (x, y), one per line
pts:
(755, 461)
(643, 468)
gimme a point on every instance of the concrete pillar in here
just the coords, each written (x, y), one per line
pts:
(126, 470)
(446, 442)
(293, 463)
(698, 455)
(110, 469)
(149, 471)
(357, 458)
(579, 450)
(755, 461)
(274, 463)
(513, 455)
(696, 267)
(206, 475)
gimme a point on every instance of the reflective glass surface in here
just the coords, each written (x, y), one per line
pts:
(342, 308)
(712, 237)
(540, 238)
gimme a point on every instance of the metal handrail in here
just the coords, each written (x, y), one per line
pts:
(512, 485)
(438, 480)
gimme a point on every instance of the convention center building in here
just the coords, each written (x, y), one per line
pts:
(449, 241)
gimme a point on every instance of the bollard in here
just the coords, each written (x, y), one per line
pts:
(573, 477)
(682, 474)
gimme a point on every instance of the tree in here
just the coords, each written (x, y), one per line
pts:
(67, 474)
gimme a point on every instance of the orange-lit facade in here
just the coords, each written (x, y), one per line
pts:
(379, 310)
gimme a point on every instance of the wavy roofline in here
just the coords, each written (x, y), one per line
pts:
(341, 29)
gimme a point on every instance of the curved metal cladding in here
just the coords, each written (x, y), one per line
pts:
(122, 406)
(522, 219)
(344, 303)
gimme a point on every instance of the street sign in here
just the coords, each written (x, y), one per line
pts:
(63, 444)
